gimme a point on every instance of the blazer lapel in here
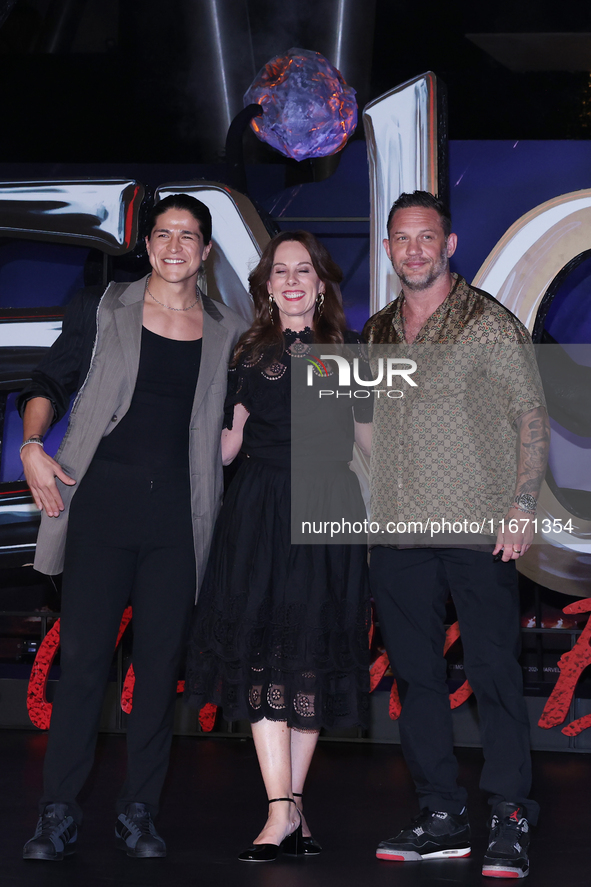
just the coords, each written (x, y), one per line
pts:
(128, 320)
(212, 351)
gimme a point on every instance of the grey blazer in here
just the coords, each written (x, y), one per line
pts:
(104, 399)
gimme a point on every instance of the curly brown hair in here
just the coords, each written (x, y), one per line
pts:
(265, 336)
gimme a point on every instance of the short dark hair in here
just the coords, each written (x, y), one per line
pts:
(198, 210)
(427, 201)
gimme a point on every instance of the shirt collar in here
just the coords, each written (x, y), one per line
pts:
(453, 302)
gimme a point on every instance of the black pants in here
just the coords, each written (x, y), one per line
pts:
(410, 587)
(129, 542)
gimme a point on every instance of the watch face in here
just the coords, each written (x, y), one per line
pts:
(526, 501)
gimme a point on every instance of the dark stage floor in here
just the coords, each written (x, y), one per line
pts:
(214, 805)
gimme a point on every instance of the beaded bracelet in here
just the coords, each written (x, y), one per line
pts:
(30, 440)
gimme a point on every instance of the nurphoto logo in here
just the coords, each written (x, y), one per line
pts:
(387, 368)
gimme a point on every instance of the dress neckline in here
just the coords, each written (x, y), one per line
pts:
(306, 336)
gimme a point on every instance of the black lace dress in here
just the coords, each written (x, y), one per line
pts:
(280, 630)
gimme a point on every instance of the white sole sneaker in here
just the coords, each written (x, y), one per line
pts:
(499, 871)
(414, 856)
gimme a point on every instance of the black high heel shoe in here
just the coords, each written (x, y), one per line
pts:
(291, 845)
(311, 847)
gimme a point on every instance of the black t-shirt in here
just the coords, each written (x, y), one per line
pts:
(154, 432)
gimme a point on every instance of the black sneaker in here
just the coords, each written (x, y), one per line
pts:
(55, 835)
(136, 834)
(430, 836)
(506, 856)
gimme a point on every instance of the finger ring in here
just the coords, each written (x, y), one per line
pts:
(517, 550)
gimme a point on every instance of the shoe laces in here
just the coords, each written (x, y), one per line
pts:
(140, 822)
(507, 828)
(52, 821)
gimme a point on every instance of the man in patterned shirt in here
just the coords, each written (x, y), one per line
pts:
(466, 445)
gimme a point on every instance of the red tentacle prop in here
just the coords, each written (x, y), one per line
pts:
(379, 667)
(37, 705)
(571, 665)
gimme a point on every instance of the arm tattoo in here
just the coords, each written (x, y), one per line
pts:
(533, 444)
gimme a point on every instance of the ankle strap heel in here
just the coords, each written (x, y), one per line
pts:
(310, 846)
(292, 845)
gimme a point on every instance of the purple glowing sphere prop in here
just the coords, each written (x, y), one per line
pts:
(308, 109)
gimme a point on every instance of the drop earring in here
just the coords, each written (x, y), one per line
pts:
(271, 300)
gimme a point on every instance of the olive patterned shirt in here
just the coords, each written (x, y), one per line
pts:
(445, 448)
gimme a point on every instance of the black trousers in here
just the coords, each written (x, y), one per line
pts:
(410, 588)
(129, 542)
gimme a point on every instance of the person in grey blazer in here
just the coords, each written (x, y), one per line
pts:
(128, 506)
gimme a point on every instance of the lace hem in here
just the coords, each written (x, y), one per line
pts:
(306, 700)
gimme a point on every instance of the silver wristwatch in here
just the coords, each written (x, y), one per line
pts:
(526, 502)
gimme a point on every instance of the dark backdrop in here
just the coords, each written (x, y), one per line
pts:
(121, 83)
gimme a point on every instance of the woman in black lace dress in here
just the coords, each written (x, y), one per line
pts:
(281, 631)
